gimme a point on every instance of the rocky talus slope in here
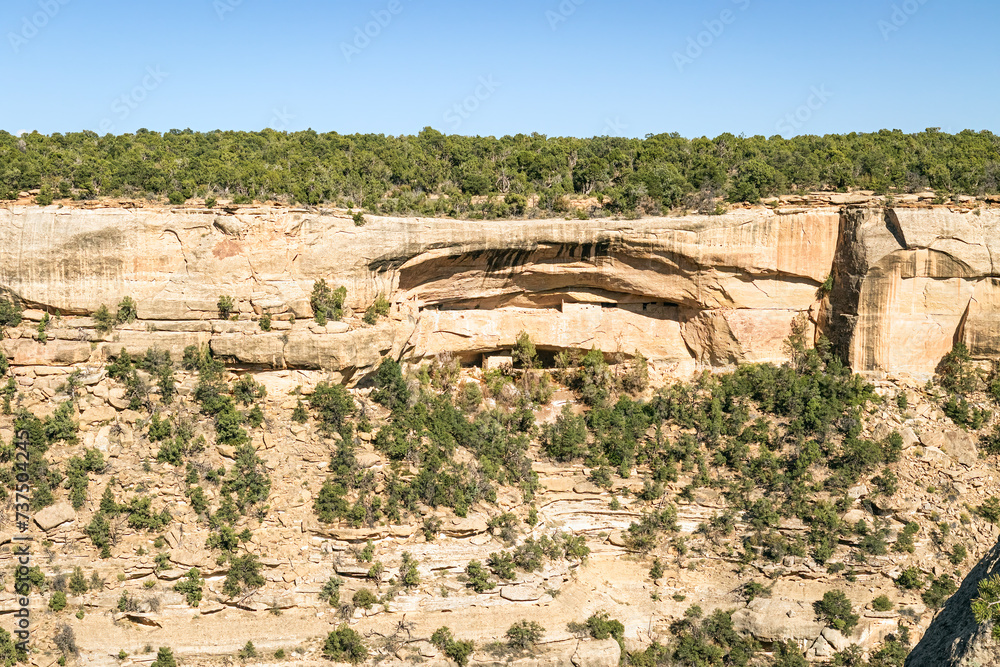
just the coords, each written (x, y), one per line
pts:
(892, 288)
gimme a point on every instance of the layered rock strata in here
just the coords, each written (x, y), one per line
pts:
(907, 283)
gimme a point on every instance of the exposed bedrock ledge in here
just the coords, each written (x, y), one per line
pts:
(713, 290)
(910, 283)
(659, 332)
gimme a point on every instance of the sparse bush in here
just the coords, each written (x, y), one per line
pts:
(378, 309)
(636, 379)
(390, 387)
(882, 603)
(248, 651)
(887, 483)
(752, 590)
(593, 380)
(601, 626)
(956, 373)
(939, 591)
(564, 440)
(479, 577)
(989, 443)
(255, 417)
(501, 564)
(164, 658)
(127, 311)
(469, 398)
(376, 571)
(963, 414)
(327, 304)
(431, 527)
(364, 599)
(836, 610)
(77, 582)
(523, 353)
(103, 321)
(11, 314)
(904, 541)
(331, 404)
(225, 306)
(160, 430)
(986, 607)
(344, 645)
(65, 640)
(42, 329)
(524, 634)
(191, 586)
(247, 391)
(141, 516)
(330, 593)
(331, 504)
(300, 415)
(9, 653)
(990, 509)
(248, 479)
(910, 579)
(441, 637)
(459, 651)
(58, 601)
(788, 654)
(408, 574)
(99, 532)
(33, 579)
(243, 576)
(76, 475)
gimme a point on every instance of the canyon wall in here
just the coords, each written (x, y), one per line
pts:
(893, 289)
(690, 292)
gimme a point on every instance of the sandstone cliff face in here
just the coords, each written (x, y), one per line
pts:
(685, 292)
(913, 282)
(700, 290)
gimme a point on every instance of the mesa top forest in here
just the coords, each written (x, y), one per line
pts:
(436, 174)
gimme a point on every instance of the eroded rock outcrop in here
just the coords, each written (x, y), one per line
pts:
(913, 282)
(713, 290)
(698, 290)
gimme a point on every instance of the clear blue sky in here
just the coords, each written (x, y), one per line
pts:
(569, 67)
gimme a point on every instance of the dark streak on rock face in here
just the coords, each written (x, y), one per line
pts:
(849, 270)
